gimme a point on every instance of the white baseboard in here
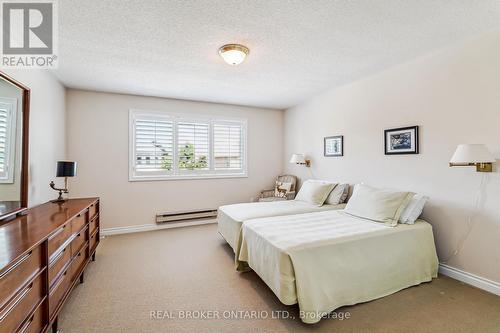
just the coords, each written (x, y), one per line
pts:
(474, 280)
(153, 226)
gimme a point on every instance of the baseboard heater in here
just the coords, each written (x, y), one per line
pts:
(186, 215)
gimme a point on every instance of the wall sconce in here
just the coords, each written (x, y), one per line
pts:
(300, 159)
(476, 155)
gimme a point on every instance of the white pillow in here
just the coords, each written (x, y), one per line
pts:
(414, 209)
(379, 205)
(338, 195)
(314, 192)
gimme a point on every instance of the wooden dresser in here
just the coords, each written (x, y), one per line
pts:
(43, 256)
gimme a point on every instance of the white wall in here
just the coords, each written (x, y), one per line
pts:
(454, 96)
(47, 130)
(98, 141)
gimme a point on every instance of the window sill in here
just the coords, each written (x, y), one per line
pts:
(185, 177)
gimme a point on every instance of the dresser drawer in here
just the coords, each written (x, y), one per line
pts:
(58, 263)
(78, 222)
(94, 224)
(58, 238)
(93, 241)
(93, 210)
(58, 290)
(78, 262)
(35, 323)
(78, 241)
(14, 313)
(18, 273)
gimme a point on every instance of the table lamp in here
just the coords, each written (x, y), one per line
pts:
(64, 169)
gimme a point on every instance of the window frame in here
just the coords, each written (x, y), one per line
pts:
(176, 174)
(10, 141)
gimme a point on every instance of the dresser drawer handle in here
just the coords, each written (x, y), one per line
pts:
(60, 280)
(27, 325)
(58, 232)
(16, 301)
(19, 262)
(59, 255)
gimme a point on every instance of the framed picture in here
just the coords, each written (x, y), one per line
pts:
(402, 140)
(334, 146)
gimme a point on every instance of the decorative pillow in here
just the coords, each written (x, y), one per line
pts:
(314, 192)
(338, 195)
(414, 209)
(281, 189)
(379, 205)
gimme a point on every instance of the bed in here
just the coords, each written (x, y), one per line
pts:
(329, 259)
(231, 217)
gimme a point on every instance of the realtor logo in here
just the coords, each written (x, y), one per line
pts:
(28, 34)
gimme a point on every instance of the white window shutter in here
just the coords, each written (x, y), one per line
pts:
(193, 146)
(8, 114)
(3, 141)
(228, 146)
(185, 146)
(154, 145)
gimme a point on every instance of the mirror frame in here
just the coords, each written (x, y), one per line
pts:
(26, 92)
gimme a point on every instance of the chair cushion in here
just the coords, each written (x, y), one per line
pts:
(281, 189)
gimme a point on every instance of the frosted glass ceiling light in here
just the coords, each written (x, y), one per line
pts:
(233, 54)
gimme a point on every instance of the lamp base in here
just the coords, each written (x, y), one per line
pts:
(484, 167)
(58, 201)
(480, 167)
(60, 198)
(306, 163)
(60, 190)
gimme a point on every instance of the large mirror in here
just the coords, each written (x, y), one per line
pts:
(14, 116)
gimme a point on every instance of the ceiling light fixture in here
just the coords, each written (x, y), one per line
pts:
(233, 54)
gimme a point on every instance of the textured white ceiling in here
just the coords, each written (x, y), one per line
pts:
(297, 48)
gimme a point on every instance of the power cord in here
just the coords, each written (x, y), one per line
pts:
(471, 221)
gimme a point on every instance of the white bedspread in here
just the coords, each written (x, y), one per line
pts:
(329, 259)
(231, 217)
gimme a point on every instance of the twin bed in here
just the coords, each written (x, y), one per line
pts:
(322, 257)
(231, 217)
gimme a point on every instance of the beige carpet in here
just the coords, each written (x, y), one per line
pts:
(191, 269)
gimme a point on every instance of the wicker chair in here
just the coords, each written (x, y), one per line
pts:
(269, 195)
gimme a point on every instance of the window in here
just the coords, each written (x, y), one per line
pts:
(7, 139)
(181, 146)
(228, 150)
(193, 143)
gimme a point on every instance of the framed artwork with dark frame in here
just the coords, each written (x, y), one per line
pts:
(398, 141)
(334, 146)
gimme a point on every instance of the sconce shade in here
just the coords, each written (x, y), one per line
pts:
(66, 169)
(298, 159)
(472, 153)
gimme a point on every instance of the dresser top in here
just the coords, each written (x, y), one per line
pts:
(22, 234)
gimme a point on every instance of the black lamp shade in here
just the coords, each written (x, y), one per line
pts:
(66, 169)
